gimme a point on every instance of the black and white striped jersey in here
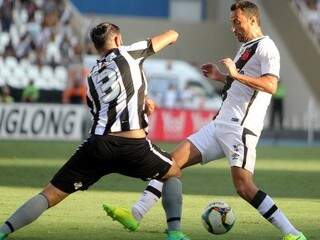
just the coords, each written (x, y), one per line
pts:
(243, 105)
(117, 88)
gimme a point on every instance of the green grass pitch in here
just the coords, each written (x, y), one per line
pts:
(290, 175)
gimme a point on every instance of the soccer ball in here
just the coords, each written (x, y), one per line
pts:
(218, 217)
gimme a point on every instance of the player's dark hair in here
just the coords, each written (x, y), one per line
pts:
(101, 33)
(249, 9)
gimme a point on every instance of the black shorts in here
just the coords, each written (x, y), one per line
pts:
(101, 155)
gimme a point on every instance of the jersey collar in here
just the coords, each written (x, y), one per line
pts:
(254, 41)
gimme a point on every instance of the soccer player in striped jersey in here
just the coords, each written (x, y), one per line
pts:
(251, 80)
(116, 95)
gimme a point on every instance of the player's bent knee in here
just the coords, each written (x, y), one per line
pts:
(241, 191)
(246, 190)
(53, 195)
(174, 171)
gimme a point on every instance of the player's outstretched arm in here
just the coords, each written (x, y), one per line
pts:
(162, 40)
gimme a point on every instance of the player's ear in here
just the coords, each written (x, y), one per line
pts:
(253, 20)
(118, 40)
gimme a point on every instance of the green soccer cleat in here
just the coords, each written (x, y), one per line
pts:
(294, 237)
(123, 216)
(3, 236)
(176, 235)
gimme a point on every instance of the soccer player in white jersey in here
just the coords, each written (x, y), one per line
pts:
(251, 80)
(117, 144)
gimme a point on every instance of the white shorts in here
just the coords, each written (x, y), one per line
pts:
(237, 144)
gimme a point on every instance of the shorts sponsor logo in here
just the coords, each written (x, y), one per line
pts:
(236, 147)
(235, 119)
(77, 185)
(235, 156)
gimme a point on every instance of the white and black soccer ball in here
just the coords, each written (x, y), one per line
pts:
(218, 217)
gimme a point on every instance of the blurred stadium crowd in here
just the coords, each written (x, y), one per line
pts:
(37, 44)
(310, 13)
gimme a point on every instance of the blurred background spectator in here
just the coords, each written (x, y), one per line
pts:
(170, 99)
(30, 93)
(5, 95)
(277, 105)
(75, 94)
(310, 13)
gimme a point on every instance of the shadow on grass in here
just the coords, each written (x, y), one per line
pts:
(62, 150)
(196, 180)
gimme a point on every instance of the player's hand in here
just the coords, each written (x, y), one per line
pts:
(212, 71)
(230, 66)
(150, 106)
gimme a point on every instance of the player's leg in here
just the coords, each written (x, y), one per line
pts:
(265, 205)
(201, 147)
(77, 174)
(185, 154)
(32, 209)
(147, 162)
(240, 148)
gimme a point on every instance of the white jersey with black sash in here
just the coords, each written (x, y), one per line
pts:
(117, 88)
(243, 105)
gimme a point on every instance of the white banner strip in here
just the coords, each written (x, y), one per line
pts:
(41, 121)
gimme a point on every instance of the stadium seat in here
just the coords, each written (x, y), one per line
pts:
(2, 82)
(46, 73)
(5, 72)
(17, 78)
(11, 62)
(24, 64)
(1, 63)
(4, 40)
(46, 76)
(6, 75)
(33, 73)
(14, 35)
(61, 78)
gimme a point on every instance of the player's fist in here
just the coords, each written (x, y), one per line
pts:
(212, 71)
(230, 66)
(150, 106)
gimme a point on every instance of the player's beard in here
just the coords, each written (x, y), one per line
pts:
(241, 37)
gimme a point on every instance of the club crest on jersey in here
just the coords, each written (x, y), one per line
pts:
(246, 55)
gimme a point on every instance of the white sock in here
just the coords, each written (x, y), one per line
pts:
(267, 208)
(148, 199)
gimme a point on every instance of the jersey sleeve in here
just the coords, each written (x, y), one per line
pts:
(269, 58)
(140, 50)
